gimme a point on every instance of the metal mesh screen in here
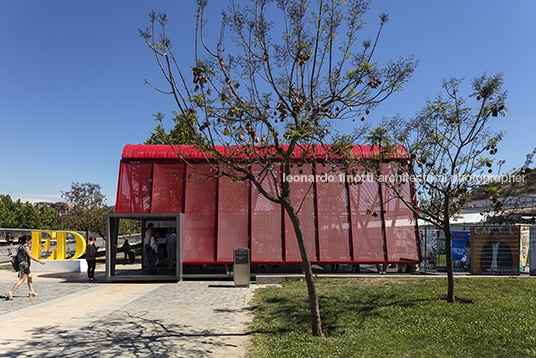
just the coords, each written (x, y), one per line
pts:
(333, 220)
(366, 220)
(265, 221)
(168, 182)
(199, 214)
(233, 218)
(302, 198)
(341, 222)
(134, 188)
(399, 222)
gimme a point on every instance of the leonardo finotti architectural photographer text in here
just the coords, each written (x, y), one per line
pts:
(403, 178)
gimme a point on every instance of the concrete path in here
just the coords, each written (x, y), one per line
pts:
(74, 318)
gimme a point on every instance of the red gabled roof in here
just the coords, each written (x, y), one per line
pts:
(152, 152)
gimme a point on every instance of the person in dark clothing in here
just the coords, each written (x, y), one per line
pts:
(91, 258)
(127, 249)
(25, 255)
(496, 255)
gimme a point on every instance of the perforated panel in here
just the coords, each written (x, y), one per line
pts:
(333, 222)
(233, 217)
(200, 214)
(399, 223)
(168, 181)
(366, 222)
(302, 199)
(134, 188)
(265, 222)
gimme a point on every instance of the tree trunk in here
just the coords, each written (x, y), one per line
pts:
(316, 322)
(448, 247)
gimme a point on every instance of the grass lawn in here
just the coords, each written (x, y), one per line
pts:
(399, 317)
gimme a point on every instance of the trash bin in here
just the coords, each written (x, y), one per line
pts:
(242, 267)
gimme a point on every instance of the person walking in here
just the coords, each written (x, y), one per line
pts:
(24, 255)
(91, 258)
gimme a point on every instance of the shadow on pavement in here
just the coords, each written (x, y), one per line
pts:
(129, 336)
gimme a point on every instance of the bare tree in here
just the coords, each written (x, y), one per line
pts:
(271, 95)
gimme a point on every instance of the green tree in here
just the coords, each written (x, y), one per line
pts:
(179, 134)
(88, 208)
(450, 142)
(129, 227)
(49, 218)
(26, 216)
(291, 69)
(7, 211)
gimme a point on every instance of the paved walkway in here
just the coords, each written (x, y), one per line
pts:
(74, 318)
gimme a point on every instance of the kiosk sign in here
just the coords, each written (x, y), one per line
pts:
(241, 256)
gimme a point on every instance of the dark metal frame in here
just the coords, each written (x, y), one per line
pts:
(112, 234)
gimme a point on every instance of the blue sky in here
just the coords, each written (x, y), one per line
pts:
(72, 73)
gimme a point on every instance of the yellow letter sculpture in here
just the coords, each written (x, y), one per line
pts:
(61, 244)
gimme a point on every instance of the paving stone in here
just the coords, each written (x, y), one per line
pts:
(184, 319)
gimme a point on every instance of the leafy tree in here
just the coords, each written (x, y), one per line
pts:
(275, 90)
(450, 143)
(7, 211)
(49, 218)
(26, 216)
(129, 227)
(179, 134)
(88, 208)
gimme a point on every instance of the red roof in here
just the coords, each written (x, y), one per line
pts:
(152, 152)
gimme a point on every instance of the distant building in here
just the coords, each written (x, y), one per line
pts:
(61, 207)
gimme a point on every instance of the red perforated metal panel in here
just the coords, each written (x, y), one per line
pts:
(199, 214)
(333, 220)
(134, 188)
(265, 222)
(399, 223)
(188, 152)
(233, 218)
(168, 182)
(367, 237)
(302, 198)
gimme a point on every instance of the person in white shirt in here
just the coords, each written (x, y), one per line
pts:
(171, 239)
(153, 256)
(147, 241)
(148, 233)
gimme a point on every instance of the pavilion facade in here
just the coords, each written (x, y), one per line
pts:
(342, 222)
